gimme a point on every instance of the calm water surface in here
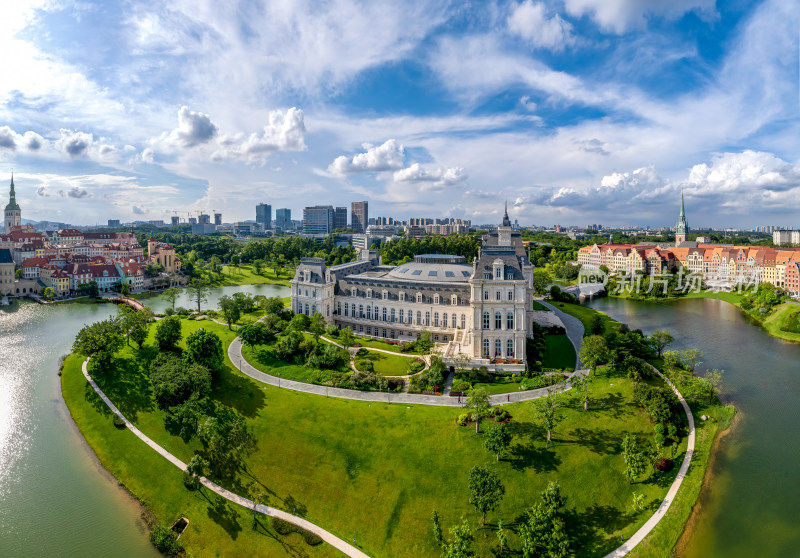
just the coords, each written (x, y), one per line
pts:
(159, 303)
(751, 507)
(55, 498)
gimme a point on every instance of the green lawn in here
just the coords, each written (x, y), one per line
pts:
(244, 275)
(732, 298)
(495, 388)
(373, 472)
(585, 314)
(777, 320)
(377, 344)
(387, 365)
(539, 306)
(263, 358)
(559, 352)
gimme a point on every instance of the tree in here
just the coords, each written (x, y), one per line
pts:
(594, 351)
(460, 545)
(502, 541)
(258, 495)
(136, 324)
(168, 333)
(346, 338)
(634, 458)
(660, 340)
(497, 440)
(197, 466)
(543, 533)
(272, 305)
(255, 334)
(485, 490)
(99, 340)
(184, 420)
(48, 293)
(229, 309)
(227, 440)
(316, 325)
(198, 291)
(714, 380)
(174, 383)
(258, 266)
(478, 401)
(205, 348)
(437, 528)
(215, 263)
(125, 289)
(690, 358)
(541, 280)
(19, 274)
(172, 294)
(596, 326)
(582, 385)
(546, 411)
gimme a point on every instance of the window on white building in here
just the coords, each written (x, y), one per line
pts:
(510, 295)
(510, 320)
(498, 320)
(485, 348)
(436, 319)
(401, 316)
(419, 297)
(463, 321)
(369, 312)
(510, 348)
(498, 348)
(444, 319)
(427, 318)
(436, 299)
(486, 320)
(384, 315)
(497, 295)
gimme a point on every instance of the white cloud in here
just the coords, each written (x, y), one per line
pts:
(194, 128)
(436, 177)
(74, 143)
(285, 131)
(386, 157)
(530, 21)
(619, 16)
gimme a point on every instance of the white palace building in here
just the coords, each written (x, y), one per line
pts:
(483, 310)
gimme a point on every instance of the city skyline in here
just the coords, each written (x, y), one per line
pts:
(577, 112)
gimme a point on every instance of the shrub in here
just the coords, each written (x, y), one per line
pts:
(190, 481)
(286, 528)
(463, 419)
(416, 365)
(659, 428)
(281, 526)
(664, 464)
(362, 352)
(672, 430)
(169, 311)
(181, 311)
(312, 539)
(365, 365)
(462, 387)
(165, 541)
(118, 422)
(660, 439)
(332, 330)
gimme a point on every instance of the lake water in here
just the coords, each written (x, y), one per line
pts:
(750, 506)
(55, 498)
(159, 303)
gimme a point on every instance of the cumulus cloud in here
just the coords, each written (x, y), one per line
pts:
(33, 141)
(530, 20)
(147, 156)
(619, 16)
(7, 140)
(73, 192)
(74, 143)
(386, 157)
(436, 177)
(194, 128)
(285, 131)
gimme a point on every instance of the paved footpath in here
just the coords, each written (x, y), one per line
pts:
(574, 329)
(235, 354)
(329, 538)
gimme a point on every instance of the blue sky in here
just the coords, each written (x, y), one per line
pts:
(576, 111)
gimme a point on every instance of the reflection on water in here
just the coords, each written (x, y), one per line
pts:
(749, 507)
(159, 303)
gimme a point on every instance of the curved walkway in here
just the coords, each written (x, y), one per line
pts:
(235, 355)
(574, 329)
(329, 538)
(645, 529)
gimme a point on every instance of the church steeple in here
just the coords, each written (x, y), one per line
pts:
(682, 228)
(12, 198)
(506, 220)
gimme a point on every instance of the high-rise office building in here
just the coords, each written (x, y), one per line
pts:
(318, 219)
(340, 218)
(176, 220)
(218, 218)
(264, 215)
(113, 223)
(204, 219)
(283, 218)
(359, 216)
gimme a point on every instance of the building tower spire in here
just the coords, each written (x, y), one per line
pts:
(682, 228)
(13, 214)
(506, 220)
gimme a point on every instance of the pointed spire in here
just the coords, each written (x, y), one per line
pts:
(12, 197)
(683, 212)
(506, 220)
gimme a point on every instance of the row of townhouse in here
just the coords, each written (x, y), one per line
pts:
(719, 265)
(67, 279)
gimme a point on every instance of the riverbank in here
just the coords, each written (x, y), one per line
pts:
(245, 275)
(350, 464)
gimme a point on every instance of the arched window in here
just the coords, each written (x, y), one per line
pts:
(427, 318)
(393, 315)
(498, 320)
(486, 320)
(498, 348)
(463, 321)
(436, 319)
(401, 315)
(444, 319)
(369, 312)
(384, 315)
(485, 348)
(360, 310)
(510, 348)
(510, 320)
(410, 316)
(419, 317)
